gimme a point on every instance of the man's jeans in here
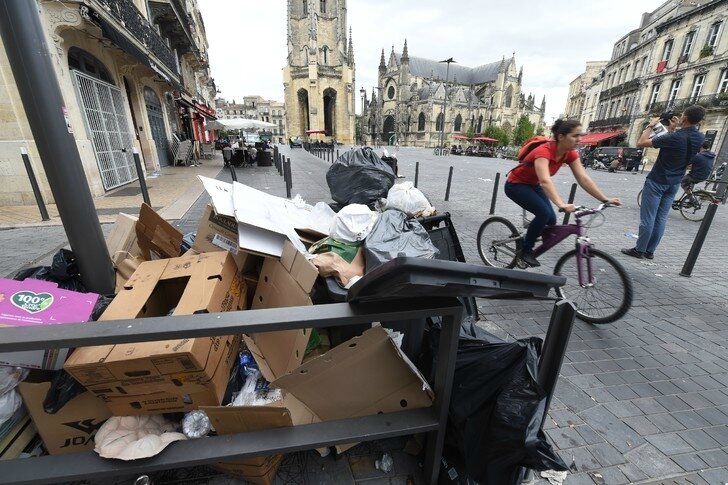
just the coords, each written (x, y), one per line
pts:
(656, 202)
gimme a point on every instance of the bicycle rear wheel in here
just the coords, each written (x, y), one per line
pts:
(609, 295)
(693, 208)
(498, 242)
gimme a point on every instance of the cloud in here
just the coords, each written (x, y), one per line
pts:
(552, 39)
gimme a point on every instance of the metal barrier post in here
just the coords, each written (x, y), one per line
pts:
(417, 172)
(337, 154)
(233, 174)
(140, 175)
(449, 181)
(687, 269)
(34, 185)
(572, 195)
(494, 197)
(289, 180)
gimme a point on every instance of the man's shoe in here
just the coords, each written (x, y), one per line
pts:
(649, 255)
(529, 259)
(633, 252)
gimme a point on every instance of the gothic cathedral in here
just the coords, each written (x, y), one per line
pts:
(318, 79)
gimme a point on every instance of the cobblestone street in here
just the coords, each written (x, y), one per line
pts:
(639, 400)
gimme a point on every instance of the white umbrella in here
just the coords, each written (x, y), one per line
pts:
(239, 124)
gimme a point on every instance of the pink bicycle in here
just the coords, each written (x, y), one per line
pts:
(597, 283)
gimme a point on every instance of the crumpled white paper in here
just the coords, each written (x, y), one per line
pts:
(134, 437)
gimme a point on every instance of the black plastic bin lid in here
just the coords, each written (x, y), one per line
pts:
(417, 277)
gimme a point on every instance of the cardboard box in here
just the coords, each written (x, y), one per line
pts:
(172, 375)
(73, 427)
(19, 437)
(157, 238)
(217, 232)
(122, 240)
(282, 283)
(248, 470)
(35, 302)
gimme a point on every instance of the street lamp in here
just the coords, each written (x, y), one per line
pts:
(444, 104)
(378, 113)
(362, 124)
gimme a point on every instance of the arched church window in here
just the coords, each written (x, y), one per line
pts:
(305, 7)
(326, 55)
(390, 92)
(480, 124)
(322, 6)
(421, 122)
(439, 122)
(458, 123)
(509, 96)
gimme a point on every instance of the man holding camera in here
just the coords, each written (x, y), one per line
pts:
(677, 148)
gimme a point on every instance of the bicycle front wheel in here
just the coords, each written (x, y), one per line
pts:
(498, 242)
(639, 199)
(604, 299)
(693, 208)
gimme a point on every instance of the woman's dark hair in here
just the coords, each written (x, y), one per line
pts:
(563, 127)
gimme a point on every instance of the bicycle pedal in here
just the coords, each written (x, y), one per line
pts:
(522, 265)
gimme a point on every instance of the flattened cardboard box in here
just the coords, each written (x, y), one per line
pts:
(264, 474)
(282, 283)
(73, 427)
(157, 238)
(217, 232)
(174, 374)
(122, 240)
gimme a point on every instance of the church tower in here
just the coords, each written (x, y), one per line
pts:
(318, 79)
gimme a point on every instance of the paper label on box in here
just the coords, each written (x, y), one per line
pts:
(225, 243)
(94, 375)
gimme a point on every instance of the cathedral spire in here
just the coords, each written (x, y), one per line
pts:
(543, 103)
(382, 64)
(350, 53)
(405, 52)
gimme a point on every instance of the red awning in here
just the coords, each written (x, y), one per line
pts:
(484, 138)
(315, 132)
(596, 138)
(460, 137)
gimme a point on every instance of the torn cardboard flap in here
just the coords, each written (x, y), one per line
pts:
(282, 283)
(221, 194)
(370, 375)
(122, 239)
(157, 238)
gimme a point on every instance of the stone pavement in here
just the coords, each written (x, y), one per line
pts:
(171, 191)
(642, 400)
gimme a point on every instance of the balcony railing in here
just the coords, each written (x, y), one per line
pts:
(708, 101)
(623, 88)
(609, 122)
(139, 27)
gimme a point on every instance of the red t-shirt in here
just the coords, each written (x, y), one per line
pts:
(525, 171)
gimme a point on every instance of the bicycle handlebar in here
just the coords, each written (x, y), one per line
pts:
(582, 211)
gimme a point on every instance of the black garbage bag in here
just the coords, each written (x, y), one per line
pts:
(497, 408)
(395, 235)
(63, 389)
(63, 271)
(359, 177)
(100, 307)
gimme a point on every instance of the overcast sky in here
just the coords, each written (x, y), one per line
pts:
(552, 39)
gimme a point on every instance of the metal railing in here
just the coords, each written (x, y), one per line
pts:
(623, 88)
(708, 101)
(605, 123)
(133, 22)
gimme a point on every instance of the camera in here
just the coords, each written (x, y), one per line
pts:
(666, 117)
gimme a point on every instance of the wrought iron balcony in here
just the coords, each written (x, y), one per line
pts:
(623, 88)
(177, 24)
(708, 101)
(610, 122)
(133, 22)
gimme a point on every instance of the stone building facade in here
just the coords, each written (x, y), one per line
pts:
(140, 65)
(407, 104)
(580, 102)
(319, 76)
(258, 108)
(677, 57)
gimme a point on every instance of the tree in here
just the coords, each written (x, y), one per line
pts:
(497, 133)
(524, 130)
(470, 133)
(540, 131)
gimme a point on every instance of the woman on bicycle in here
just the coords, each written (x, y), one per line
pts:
(530, 186)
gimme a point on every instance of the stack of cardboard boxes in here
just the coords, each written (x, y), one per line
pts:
(366, 375)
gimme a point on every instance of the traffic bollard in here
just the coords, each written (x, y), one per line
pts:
(687, 269)
(233, 174)
(494, 197)
(572, 195)
(140, 174)
(417, 172)
(289, 182)
(449, 181)
(34, 185)
(337, 154)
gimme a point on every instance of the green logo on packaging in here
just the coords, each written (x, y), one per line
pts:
(32, 302)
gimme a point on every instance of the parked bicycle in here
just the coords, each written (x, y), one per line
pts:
(596, 282)
(692, 204)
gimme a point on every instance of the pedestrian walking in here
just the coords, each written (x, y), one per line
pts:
(677, 148)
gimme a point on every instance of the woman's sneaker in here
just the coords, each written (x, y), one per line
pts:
(529, 259)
